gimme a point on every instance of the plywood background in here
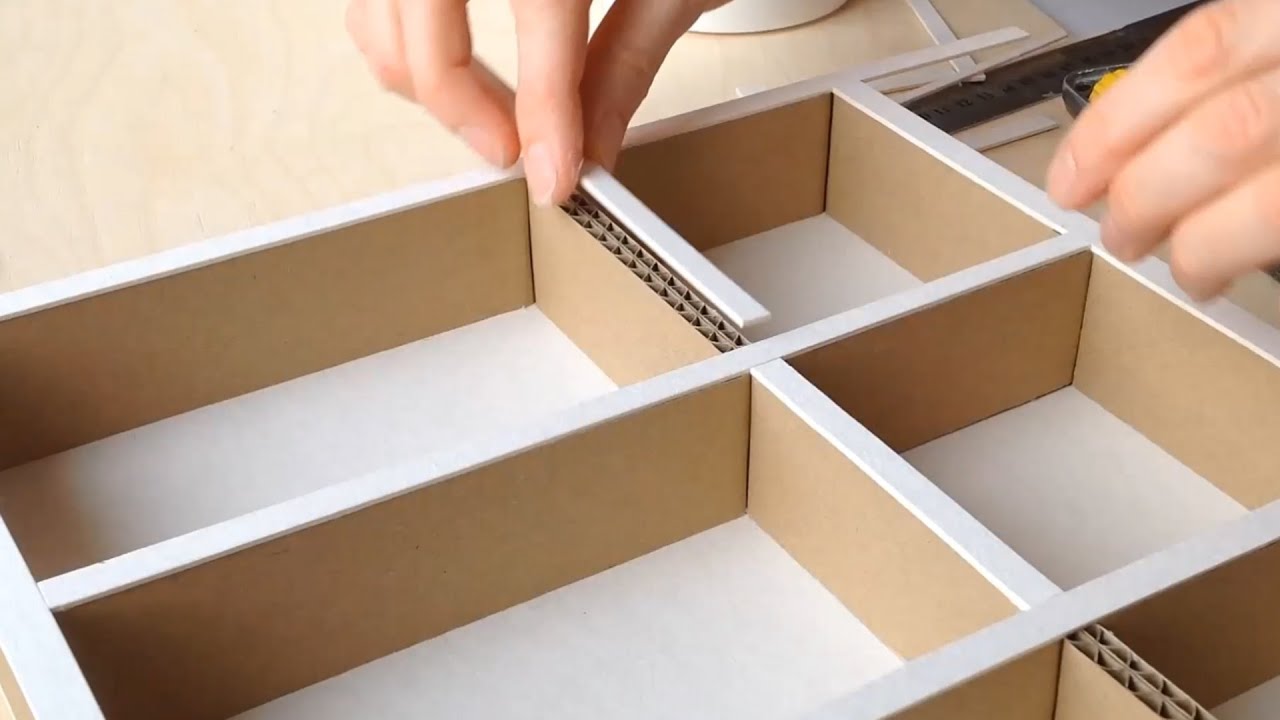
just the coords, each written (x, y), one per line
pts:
(139, 125)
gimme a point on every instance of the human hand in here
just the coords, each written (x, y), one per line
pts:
(573, 99)
(1186, 149)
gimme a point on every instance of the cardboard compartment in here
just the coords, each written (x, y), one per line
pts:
(155, 409)
(1084, 418)
(1216, 635)
(629, 560)
(817, 207)
(1086, 676)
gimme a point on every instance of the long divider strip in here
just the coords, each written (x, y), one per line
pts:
(703, 316)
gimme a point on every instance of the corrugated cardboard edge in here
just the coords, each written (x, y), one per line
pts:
(1145, 682)
(699, 313)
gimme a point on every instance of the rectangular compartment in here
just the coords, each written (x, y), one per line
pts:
(162, 406)
(1080, 415)
(1217, 635)
(706, 555)
(818, 206)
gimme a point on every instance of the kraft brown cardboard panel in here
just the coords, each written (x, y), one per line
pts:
(225, 636)
(1206, 399)
(1024, 689)
(614, 317)
(92, 368)
(886, 566)
(935, 371)
(924, 215)
(1087, 692)
(1215, 636)
(738, 178)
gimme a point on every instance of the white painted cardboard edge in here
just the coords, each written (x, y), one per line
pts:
(737, 305)
(206, 544)
(1004, 131)
(997, 645)
(46, 671)
(1010, 573)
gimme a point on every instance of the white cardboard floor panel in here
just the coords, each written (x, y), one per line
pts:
(1260, 703)
(217, 462)
(1071, 488)
(721, 625)
(809, 270)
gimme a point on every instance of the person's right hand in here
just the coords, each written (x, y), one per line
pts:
(572, 100)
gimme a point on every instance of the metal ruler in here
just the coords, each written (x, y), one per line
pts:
(1038, 78)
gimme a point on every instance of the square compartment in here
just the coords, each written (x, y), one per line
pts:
(163, 406)
(817, 206)
(1081, 416)
(1216, 636)
(707, 555)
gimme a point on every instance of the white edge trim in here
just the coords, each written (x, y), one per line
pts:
(1006, 641)
(34, 648)
(210, 543)
(913, 79)
(757, 102)
(1023, 49)
(738, 306)
(201, 253)
(938, 29)
(1010, 573)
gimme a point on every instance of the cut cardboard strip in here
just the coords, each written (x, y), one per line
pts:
(940, 31)
(680, 257)
(1017, 52)
(1004, 131)
(1145, 682)
(619, 241)
(912, 79)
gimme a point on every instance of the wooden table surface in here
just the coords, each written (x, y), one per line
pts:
(138, 125)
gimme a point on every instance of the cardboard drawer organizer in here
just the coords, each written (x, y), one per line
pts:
(806, 411)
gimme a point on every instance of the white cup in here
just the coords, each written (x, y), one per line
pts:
(751, 16)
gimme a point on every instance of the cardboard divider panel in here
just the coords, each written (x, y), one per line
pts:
(817, 207)
(451, 285)
(235, 632)
(885, 565)
(13, 706)
(1217, 636)
(1055, 682)
(1004, 401)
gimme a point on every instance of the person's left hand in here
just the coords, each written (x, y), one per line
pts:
(1186, 149)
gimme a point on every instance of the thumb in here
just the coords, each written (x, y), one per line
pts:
(625, 54)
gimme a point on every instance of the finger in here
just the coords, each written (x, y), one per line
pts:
(1214, 46)
(374, 26)
(1228, 238)
(459, 91)
(551, 36)
(1227, 138)
(624, 57)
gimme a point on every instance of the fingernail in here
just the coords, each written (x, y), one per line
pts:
(1062, 176)
(540, 171)
(485, 145)
(1114, 241)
